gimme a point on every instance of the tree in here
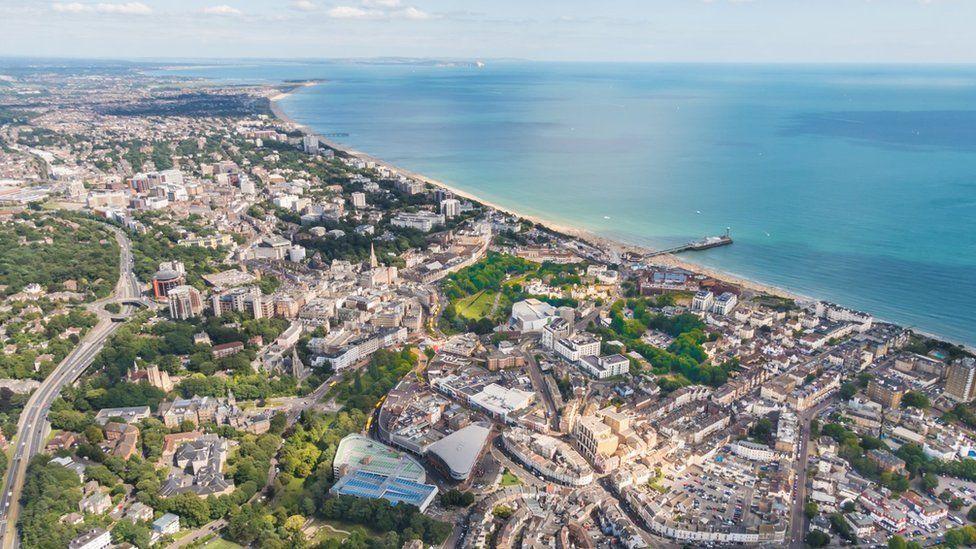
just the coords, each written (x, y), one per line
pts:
(929, 483)
(94, 434)
(847, 390)
(136, 533)
(817, 538)
(811, 509)
(278, 423)
(897, 542)
(915, 399)
(457, 498)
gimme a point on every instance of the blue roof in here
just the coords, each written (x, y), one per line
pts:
(393, 489)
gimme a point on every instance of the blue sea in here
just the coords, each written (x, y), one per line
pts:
(852, 183)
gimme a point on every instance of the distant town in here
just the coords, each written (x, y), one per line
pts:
(221, 330)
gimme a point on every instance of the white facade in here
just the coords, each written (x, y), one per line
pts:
(422, 221)
(358, 200)
(702, 301)
(451, 207)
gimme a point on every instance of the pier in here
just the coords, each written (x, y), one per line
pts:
(696, 245)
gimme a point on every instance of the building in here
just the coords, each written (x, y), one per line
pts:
(310, 144)
(98, 538)
(131, 414)
(499, 402)
(451, 207)
(595, 438)
(121, 439)
(604, 367)
(702, 301)
(393, 489)
(152, 375)
(888, 462)
(577, 346)
(421, 221)
(457, 453)
(886, 392)
(227, 349)
(167, 524)
(558, 329)
(961, 380)
(165, 280)
(358, 200)
(725, 303)
(184, 302)
(531, 315)
(754, 451)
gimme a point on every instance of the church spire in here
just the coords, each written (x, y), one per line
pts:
(373, 263)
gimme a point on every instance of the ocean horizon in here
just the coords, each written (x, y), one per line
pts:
(850, 183)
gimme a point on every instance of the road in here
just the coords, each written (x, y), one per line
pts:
(797, 518)
(539, 384)
(33, 427)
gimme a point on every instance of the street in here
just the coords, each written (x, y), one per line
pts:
(33, 427)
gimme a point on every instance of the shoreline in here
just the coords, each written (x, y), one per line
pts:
(670, 260)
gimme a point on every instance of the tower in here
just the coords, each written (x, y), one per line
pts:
(373, 263)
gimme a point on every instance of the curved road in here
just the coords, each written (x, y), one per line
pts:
(33, 427)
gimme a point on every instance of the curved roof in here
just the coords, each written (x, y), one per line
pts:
(359, 453)
(166, 274)
(459, 450)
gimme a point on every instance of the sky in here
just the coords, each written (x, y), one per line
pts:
(760, 31)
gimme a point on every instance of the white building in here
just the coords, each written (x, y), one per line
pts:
(499, 401)
(422, 221)
(296, 253)
(311, 144)
(358, 200)
(451, 207)
(577, 346)
(531, 315)
(98, 538)
(603, 367)
(725, 303)
(753, 451)
(702, 301)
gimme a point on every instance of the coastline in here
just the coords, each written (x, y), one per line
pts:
(590, 237)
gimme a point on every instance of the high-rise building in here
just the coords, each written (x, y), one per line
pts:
(358, 200)
(450, 207)
(184, 302)
(165, 279)
(961, 380)
(311, 144)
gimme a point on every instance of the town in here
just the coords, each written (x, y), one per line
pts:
(221, 330)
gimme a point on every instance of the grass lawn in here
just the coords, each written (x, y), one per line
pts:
(508, 479)
(291, 493)
(476, 306)
(326, 529)
(221, 543)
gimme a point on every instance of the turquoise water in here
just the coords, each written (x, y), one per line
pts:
(852, 183)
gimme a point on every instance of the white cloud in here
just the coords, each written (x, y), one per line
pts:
(412, 13)
(352, 12)
(378, 9)
(222, 9)
(304, 5)
(125, 8)
(73, 7)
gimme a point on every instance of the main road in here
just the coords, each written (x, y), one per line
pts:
(797, 519)
(33, 427)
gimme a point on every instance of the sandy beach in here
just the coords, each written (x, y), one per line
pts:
(587, 236)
